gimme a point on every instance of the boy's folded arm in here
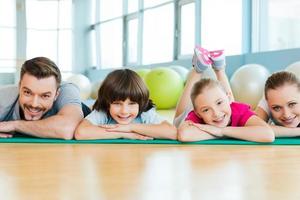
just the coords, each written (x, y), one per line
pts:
(88, 131)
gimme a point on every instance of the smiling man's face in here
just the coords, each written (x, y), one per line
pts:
(36, 96)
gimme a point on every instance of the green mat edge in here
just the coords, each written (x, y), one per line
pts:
(278, 141)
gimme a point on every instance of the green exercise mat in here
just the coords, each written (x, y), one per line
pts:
(278, 141)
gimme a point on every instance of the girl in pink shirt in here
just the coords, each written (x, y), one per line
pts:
(215, 114)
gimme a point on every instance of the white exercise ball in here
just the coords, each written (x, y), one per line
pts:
(294, 68)
(83, 83)
(66, 75)
(247, 83)
(95, 89)
(182, 71)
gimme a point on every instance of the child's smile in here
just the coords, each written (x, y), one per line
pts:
(124, 112)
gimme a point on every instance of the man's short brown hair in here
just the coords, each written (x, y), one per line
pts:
(41, 67)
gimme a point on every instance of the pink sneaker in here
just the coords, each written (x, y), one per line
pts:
(218, 59)
(201, 60)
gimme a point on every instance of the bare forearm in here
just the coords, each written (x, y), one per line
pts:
(188, 133)
(251, 133)
(223, 79)
(163, 130)
(52, 127)
(185, 99)
(88, 131)
(281, 131)
(93, 132)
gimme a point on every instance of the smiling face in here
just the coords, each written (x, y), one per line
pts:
(36, 96)
(284, 104)
(213, 106)
(124, 112)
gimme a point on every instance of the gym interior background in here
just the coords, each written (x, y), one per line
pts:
(89, 38)
(93, 37)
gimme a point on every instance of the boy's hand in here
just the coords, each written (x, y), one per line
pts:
(116, 127)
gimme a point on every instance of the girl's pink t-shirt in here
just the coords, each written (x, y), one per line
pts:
(240, 113)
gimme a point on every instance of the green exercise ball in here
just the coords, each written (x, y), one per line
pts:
(165, 87)
(142, 72)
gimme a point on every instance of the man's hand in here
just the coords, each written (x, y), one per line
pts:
(6, 135)
(7, 127)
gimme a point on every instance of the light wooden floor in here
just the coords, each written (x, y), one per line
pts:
(148, 172)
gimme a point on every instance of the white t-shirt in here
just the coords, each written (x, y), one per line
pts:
(263, 104)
